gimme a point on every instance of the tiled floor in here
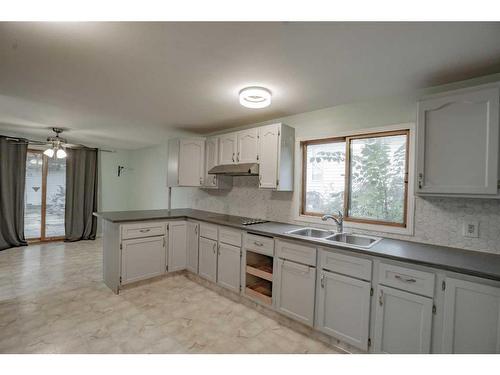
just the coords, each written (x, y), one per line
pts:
(52, 300)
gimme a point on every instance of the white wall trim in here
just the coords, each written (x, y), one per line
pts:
(410, 220)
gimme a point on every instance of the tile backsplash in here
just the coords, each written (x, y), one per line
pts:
(438, 221)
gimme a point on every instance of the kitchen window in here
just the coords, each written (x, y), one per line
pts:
(363, 176)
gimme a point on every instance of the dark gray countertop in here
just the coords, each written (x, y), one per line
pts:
(464, 261)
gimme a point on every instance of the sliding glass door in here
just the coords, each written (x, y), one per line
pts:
(45, 195)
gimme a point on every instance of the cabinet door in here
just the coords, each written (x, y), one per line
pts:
(229, 267)
(177, 251)
(142, 258)
(192, 246)
(471, 318)
(458, 144)
(344, 308)
(191, 162)
(268, 156)
(248, 142)
(211, 160)
(403, 322)
(207, 265)
(296, 286)
(227, 149)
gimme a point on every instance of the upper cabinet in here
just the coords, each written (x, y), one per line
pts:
(458, 143)
(227, 148)
(191, 162)
(211, 160)
(271, 146)
(186, 162)
(276, 157)
(248, 146)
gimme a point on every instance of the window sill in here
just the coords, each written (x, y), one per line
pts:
(352, 226)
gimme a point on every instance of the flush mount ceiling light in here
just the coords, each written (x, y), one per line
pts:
(255, 97)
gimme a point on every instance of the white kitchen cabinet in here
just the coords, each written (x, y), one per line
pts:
(228, 148)
(458, 143)
(142, 258)
(403, 322)
(191, 162)
(207, 262)
(344, 308)
(276, 157)
(192, 230)
(177, 249)
(471, 318)
(211, 160)
(229, 266)
(296, 290)
(247, 146)
(212, 181)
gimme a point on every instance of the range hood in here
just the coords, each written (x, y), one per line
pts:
(247, 169)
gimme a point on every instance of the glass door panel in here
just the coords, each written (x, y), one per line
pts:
(45, 196)
(33, 196)
(56, 196)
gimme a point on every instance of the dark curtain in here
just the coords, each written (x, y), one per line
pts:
(12, 181)
(81, 194)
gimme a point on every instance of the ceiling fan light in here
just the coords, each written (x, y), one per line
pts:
(49, 152)
(255, 97)
(61, 154)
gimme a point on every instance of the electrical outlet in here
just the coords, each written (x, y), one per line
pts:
(471, 228)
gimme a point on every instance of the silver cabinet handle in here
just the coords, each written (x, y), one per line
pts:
(420, 180)
(196, 229)
(405, 280)
(323, 280)
(144, 230)
(163, 241)
(218, 249)
(260, 180)
(238, 157)
(215, 180)
(214, 248)
(256, 243)
(233, 157)
(257, 156)
(201, 180)
(381, 298)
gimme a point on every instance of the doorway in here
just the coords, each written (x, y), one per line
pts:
(45, 196)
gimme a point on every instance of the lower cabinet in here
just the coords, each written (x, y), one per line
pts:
(471, 318)
(177, 251)
(403, 322)
(142, 258)
(229, 267)
(295, 294)
(344, 308)
(207, 262)
(192, 230)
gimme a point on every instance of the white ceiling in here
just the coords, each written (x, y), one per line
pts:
(134, 84)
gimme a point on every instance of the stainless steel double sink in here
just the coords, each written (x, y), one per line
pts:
(345, 239)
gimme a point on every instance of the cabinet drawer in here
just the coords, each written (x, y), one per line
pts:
(140, 230)
(297, 253)
(407, 279)
(230, 236)
(347, 265)
(259, 244)
(208, 231)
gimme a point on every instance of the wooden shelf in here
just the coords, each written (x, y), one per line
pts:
(263, 271)
(260, 293)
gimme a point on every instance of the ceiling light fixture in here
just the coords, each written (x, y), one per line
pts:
(255, 97)
(56, 145)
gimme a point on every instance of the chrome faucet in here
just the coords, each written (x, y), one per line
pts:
(339, 220)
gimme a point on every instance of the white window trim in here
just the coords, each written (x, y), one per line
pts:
(348, 225)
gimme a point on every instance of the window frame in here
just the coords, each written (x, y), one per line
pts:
(347, 184)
